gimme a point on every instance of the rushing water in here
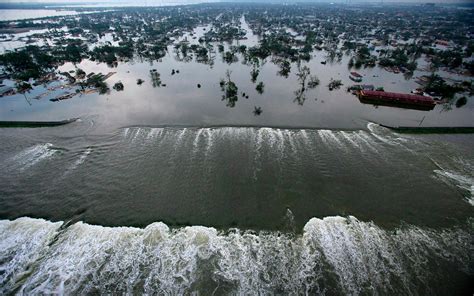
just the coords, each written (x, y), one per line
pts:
(259, 187)
(334, 255)
(233, 176)
(168, 191)
(291, 210)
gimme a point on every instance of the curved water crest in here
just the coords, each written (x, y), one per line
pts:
(332, 255)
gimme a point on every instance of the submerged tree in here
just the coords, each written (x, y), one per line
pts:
(155, 78)
(254, 74)
(436, 85)
(300, 96)
(350, 64)
(461, 102)
(285, 68)
(257, 111)
(24, 87)
(230, 90)
(229, 57)
(97, 81)
(334, 84)
(303, 73)
(313, 82)
(260, 87)
(80, 74)
(300, 93)
(118, 86)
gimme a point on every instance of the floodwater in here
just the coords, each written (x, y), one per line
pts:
(168, 190)
(23, 14)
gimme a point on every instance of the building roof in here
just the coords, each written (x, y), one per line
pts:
(399, 96)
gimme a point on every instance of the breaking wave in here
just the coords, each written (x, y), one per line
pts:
(334, 255)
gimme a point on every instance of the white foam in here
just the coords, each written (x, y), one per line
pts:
(179, 138)
(305, 137)
(33, 155)
(137, 134)
(125, 132)
(210, 140)
(196, 140)
(289, 134)
(272, 137)
(181, 135)
(85, 259)
(349, 137)
(22, 243)
(259, 140)
(154, 133)
(373, 128)
(364, 139)
(83, 157)
(462, 181)
(330, 139)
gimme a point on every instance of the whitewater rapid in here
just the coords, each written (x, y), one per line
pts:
(182, 174)
(334, 255)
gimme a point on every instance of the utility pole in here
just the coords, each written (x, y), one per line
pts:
(422, 120)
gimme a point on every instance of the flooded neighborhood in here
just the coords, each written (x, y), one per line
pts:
(322, 58)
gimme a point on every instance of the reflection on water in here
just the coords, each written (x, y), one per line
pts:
(285, 96)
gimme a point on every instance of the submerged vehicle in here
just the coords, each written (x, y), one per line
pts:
(356, 77)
